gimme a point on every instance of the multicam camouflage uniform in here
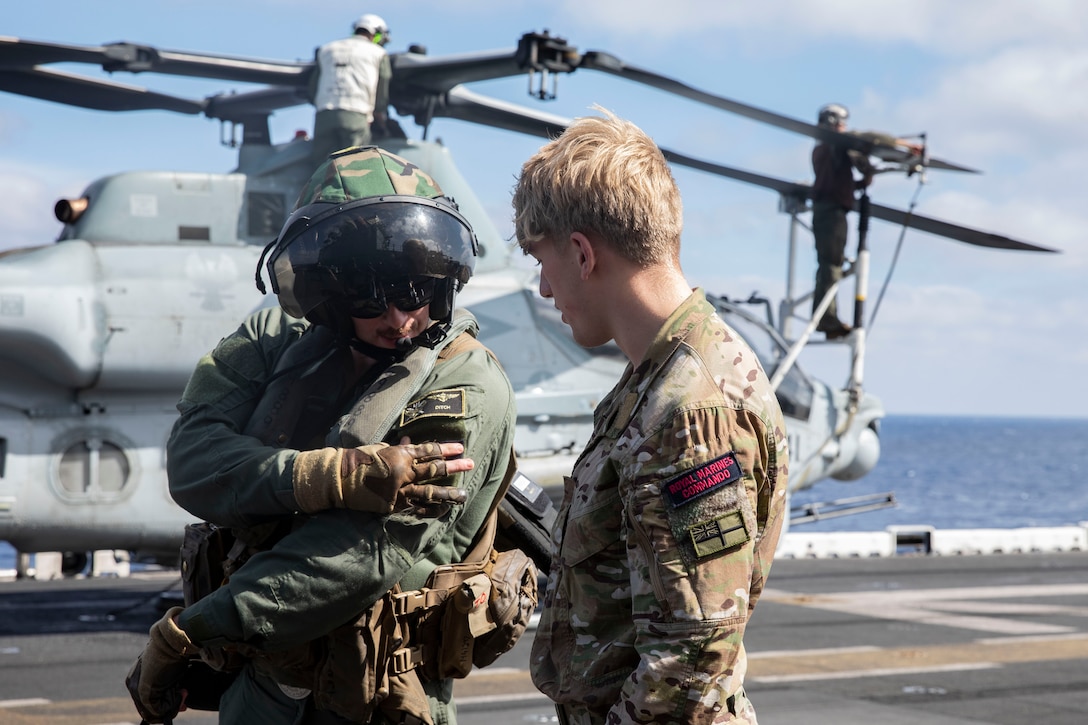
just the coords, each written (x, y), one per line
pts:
(665, 536)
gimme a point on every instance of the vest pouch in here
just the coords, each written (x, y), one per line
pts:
(428, 625)
(355, 677)
(499, 617)
(510, 606)
(204, 548)
(465, 617)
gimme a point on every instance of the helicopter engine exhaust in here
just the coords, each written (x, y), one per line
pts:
(68, 211)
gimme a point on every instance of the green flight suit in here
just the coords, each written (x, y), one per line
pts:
(335, 564)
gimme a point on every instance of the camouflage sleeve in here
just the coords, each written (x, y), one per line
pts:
(697, 517)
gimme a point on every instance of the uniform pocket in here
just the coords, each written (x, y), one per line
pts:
(589, 532)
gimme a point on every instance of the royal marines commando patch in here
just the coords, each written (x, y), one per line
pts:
(706, 525)
(448, 403)
(700, 481)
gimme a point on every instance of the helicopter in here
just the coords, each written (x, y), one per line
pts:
(100, 330)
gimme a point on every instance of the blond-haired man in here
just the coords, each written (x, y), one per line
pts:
(671, 515)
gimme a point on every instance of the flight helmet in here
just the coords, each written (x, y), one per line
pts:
(374, 25)
(832, 115)
(371, 229)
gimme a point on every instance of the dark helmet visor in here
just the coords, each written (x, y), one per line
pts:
(347, 251)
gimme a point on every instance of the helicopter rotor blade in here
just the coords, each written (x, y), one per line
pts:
(465, 105)
(413, 71)
(607, 63)
(936, 227)
(416, 72)
(242, 107)
(426, 88)
(949, 166)
(926, 224)
(75, 90)
(19, 53)
(785, 188)
(959, 233)
(16, 53)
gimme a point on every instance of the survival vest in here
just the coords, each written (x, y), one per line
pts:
(467, 614)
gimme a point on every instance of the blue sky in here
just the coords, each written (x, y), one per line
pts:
(997, 85)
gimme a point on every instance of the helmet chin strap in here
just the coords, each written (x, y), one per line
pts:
(433, 335)
(429, 338)
(382, 355)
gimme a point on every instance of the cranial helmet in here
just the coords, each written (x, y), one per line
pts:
(833, 114)
(374, 25)
(368, 229)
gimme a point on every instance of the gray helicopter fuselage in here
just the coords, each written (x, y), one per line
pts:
(100, 331)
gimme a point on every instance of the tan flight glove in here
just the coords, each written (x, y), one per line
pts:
(154, 680)
(378, 477)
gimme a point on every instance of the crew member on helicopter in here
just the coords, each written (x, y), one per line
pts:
(297, 432)
(832, 198)
(350, 88)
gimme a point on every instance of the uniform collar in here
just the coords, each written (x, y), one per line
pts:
(637, 381)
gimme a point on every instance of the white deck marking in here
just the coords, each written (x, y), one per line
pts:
(962, 607)
(878, 672)
(26, 702)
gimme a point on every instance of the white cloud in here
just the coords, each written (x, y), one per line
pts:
(947, 28)
(1024, 100)
(26, 206)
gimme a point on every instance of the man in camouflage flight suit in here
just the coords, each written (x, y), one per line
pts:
(366, 269)
(671, 516)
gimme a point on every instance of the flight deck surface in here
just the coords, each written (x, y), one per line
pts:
(942, 640)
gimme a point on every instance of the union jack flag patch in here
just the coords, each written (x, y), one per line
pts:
(725, 532)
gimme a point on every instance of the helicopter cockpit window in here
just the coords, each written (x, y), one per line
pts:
(194, 234)
(796, 391)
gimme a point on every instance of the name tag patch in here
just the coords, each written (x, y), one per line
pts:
(700, 481)
(710, 537)
(448, 403)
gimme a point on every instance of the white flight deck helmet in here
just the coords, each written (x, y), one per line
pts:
(374, 25)
(833, 115)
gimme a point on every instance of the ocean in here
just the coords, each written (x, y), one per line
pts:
(955, 473)
(968, 473)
